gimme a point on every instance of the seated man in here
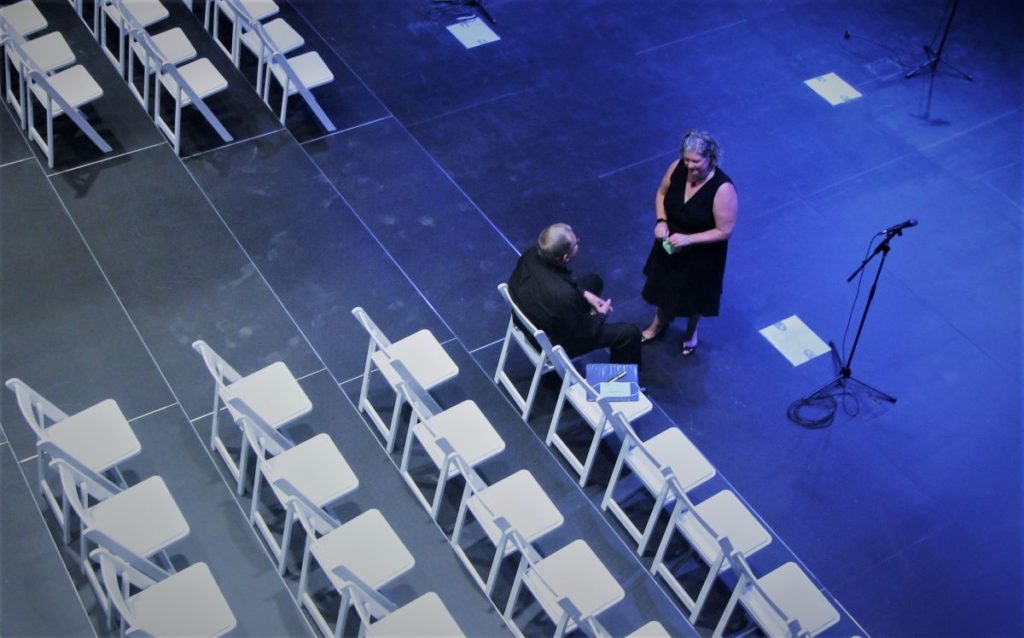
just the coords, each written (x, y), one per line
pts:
(571, 312)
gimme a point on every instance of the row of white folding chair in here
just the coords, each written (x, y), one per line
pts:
(665, 461)
(143, 517)
(594, 409)
(271, 43)
(47, 53)
(61, 92)
(533, 342)
(186, 603)
(159, 56)
(421, 354)
(314, 467)
(99, 436)
(272, 392)
(358, 557)
(125, 16)
(462, 429)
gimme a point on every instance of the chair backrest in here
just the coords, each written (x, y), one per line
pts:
(761, 600)
(261, 436)
(312, 517)
(222, 372)
(377, 338)
(78, 481)
(423, 405)
(362, 595)
(523, 325)
(570, 375)
(39, 412)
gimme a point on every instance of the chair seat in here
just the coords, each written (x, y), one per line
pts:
(47, 52)
(99, 437)
(794, 593)
(24, 17)
(425, 616)
(315, 468)
(466, 429)
(188, 603)
(521, 501)
(146, 12)
(144, 518)
(422, 355)
(591, 411)
(75, 85)
(368, 547)
(201, 75)
(673, 450)
(727, 516)
(577, 573)
(271, 392)
(309, 67)
(172, 45)
(282, 37)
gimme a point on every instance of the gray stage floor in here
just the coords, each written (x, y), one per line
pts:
(446, 164)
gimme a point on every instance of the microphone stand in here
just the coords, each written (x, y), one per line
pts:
(935, 57)
(845, 375)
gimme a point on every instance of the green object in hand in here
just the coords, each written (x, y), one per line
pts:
(669, 248)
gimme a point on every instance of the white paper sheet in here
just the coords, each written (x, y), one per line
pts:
(795, 340)
(833, 88)
(473, 33)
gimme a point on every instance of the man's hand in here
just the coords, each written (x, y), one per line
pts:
(598, 305)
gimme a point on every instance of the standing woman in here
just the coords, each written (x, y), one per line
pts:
(695, 210)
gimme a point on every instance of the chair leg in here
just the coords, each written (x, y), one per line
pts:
(729, 608)
(392, 433)
(588, 464)
(346, 602)
(243, 465)
(513, 595)
(286, 538)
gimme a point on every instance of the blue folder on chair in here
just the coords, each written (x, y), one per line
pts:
(614, 381)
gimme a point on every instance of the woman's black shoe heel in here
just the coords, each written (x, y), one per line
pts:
(645, 340)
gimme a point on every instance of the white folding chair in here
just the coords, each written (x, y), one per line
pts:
(300, 74)
(571, 585)
(424, 616)
(62, 93)
(23, 17)
(188, 85)
(705, 527)
(99, 437)
(126, 16)
(143, 518)
(359, 557)
(263, 40)
(314, 469)
(521, 330)
(460, 431)
(152, 51)
(594, 410)
(271, 392)
(188, 603)
(237, 12)
(516, 502)
(421, 354)
(666, 455)
(783, 602)
(47, 53)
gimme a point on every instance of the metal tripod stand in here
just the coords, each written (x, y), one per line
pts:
(845, 375)
(935, 57)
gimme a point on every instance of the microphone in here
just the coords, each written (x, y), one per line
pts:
(898, 227)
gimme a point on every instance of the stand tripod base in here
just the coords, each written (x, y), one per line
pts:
(932, 64)
(841, 383)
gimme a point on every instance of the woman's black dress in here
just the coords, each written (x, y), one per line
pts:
(690, 281)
